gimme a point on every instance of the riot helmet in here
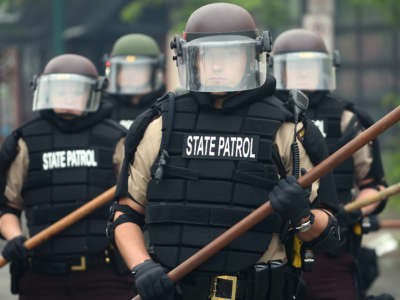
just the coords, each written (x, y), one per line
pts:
(301, 61)
(221, 50)
(136, 66)
(68, 82)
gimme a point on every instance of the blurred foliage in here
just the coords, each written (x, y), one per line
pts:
(391, 155)
(389, 8)
(271, 12)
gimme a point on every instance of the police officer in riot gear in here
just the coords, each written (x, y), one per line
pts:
(52, 165)
(301, 61)
(135, 71)
(197, 163)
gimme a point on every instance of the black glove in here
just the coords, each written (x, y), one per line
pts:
(290, 200)
(347, 219)
(370, 224)
(151, 280)
(15, 249)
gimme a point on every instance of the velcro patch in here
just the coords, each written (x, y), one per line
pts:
(232, 147)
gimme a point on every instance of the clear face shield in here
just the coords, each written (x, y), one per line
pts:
(221, 63)
(66, 92)
(307, 71)
(134, 75)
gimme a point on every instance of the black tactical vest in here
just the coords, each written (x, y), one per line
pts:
(219, 169)
(326, 115)
(124, 112)
(67, 169)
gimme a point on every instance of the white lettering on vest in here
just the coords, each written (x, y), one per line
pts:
(69, 159)
(221, 147)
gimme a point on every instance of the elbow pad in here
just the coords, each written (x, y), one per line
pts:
(5, 209)
(376, 185)
(328, 239)
(128, 215)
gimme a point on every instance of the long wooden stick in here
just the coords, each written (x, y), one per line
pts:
(389, 223)
(387, 192)
(264, 210)
(67, 221)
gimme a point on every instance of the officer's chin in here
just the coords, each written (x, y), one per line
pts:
(68, 114)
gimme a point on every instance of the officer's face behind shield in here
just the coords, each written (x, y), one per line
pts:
(222, 63)
(134, 75)
(307, 71)
(66, 94)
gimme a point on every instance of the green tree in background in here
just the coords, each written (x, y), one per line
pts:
(270, 12)
(390, 9)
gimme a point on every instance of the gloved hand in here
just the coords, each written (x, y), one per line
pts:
(370, 224)
(347, 219)
(290, 200)
(151, 280)
(15, 249)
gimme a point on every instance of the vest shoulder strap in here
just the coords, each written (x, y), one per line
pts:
(157, 169)
(133, 138)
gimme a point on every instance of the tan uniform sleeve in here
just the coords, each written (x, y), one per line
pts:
(284, 138)
(363, 157)
(146, 154)
(16, 176)
(118, 156)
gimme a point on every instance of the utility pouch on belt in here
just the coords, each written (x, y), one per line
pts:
(261, 281)
(269, 281)
(277, 280)
(17, 270)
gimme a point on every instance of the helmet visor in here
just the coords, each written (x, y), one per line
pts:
(66, 91)
(221, 63)
(309, 71)
(134, 75)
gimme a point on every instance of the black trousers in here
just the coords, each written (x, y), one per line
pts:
(97, 283)
(332, 278)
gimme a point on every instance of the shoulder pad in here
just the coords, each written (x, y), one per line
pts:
(281, 106)
(9, 149)
(135, 135)
(136, 131)
(8, 152)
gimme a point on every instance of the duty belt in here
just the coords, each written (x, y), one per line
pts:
(69, 263)
(222, 287)
(271, 281)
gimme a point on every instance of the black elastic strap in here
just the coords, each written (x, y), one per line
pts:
(278, 162)
(128, 215)
(5, 209)
(163, 154)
